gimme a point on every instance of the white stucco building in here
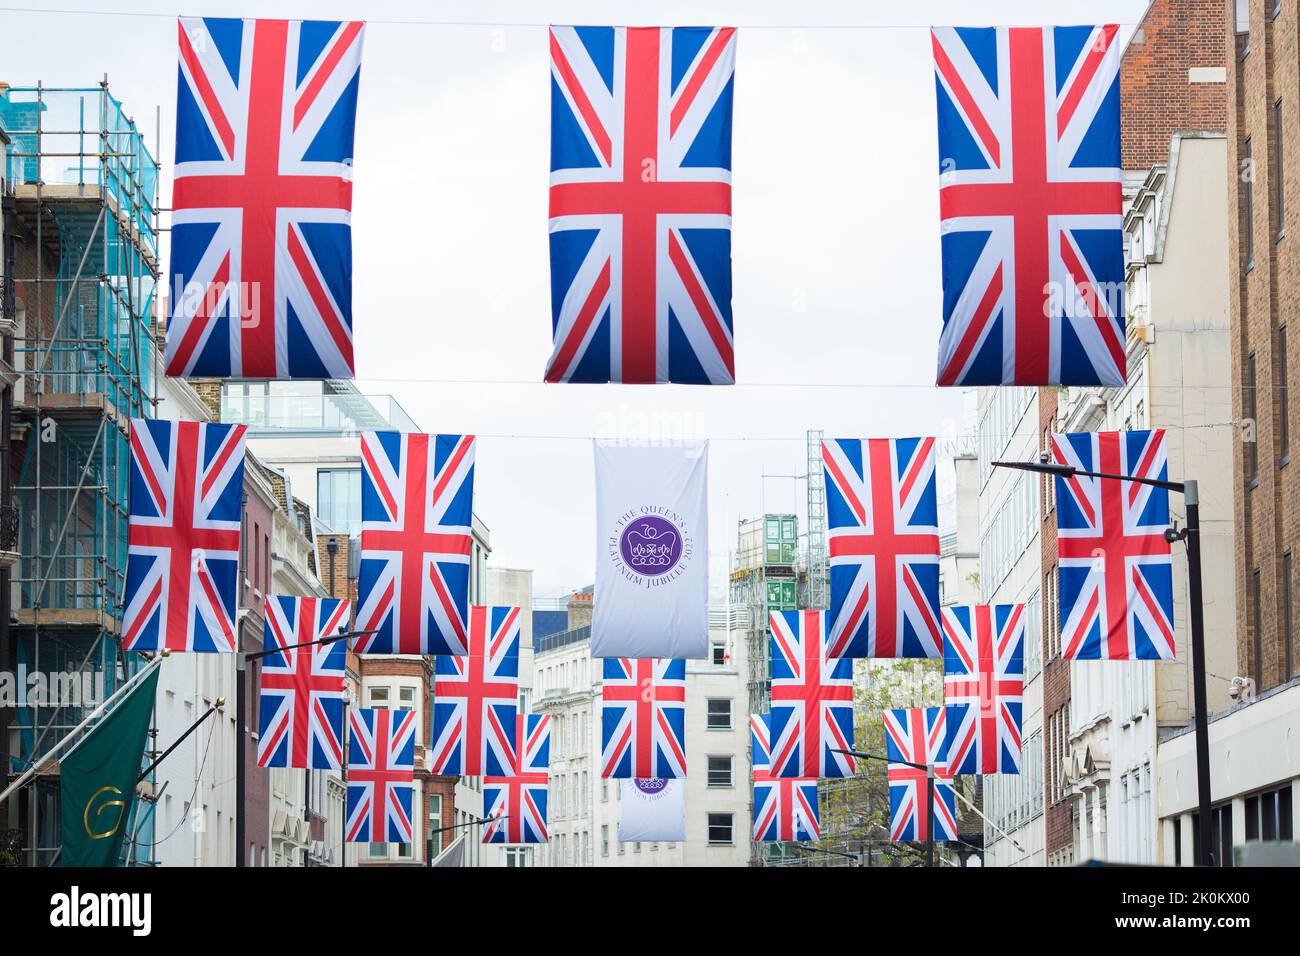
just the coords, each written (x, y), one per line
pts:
(1010, 572)
(194, 792)
(584, 809)
(195, 803)
(959, 544)
(1179, 379)
(1254, 780)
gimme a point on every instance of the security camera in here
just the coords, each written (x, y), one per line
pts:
(1242, 689)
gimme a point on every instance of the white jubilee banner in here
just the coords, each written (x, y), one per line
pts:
(652, 551)
(652, 810)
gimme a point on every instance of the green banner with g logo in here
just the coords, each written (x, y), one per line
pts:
(97, 780)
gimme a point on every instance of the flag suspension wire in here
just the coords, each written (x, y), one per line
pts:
(520, 24)
(221, 703)
(97, 712)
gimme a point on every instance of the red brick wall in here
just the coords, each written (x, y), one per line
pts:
(1056, 673)
(1156, 99)
(1265, 297)
(340, 586)
(445, 787)
(379, 665)
(257, 780)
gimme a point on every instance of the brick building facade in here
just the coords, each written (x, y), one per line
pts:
(1059, 828)
(1263, 175)
(439, 793)
(1170, 78)
(1172, 89)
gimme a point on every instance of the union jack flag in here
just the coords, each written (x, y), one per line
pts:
(381, 775)
(187, 486)
(417, 501)
(516, 804)
(301, 702)
(983, 686)
(261, 233)
(476, 698)
(1117, 587)
(1030, 206)
(641, 204)
(784, 808)
(643, 718)
(883, 513)
(918, 735)
(812, 699)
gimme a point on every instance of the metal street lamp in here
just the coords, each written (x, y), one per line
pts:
(929, 787)
(428, 840)
(242, 658)
(1191, 535)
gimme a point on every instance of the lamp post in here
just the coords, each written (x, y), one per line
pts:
(332, 548)
(241, 715)
(1191, 535)
(429, 841)
(929, 790)
(242, 658)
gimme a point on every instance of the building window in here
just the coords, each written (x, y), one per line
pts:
(1257, 638)
(1288, 637)
(338, 499)
(1279, 178)
(1220, 835)
(604, 839)
(257, 556)
(1268, 815)
(1283, 398)
(378, 697)
(1248, 227)
(720, 829)
(719, 713)
(1242, 22)
(435, 820)
(516, 856)
(1249, 435)
(719, 654)
(719, 771)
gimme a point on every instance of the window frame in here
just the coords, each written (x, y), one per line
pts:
(1288, 622)
(709, 713)
(1284, 396)
(1249, 203)
(1279, 177)
(1250, 388)
(730, 826)
(730, 782)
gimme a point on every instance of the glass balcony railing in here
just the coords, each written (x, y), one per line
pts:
(337, 414)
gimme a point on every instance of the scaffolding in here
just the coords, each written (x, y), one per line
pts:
(818, 557)
(81, 214)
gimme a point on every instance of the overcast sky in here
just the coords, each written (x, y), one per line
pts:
(835, 236)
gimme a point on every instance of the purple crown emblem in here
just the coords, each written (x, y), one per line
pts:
(651, 545)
